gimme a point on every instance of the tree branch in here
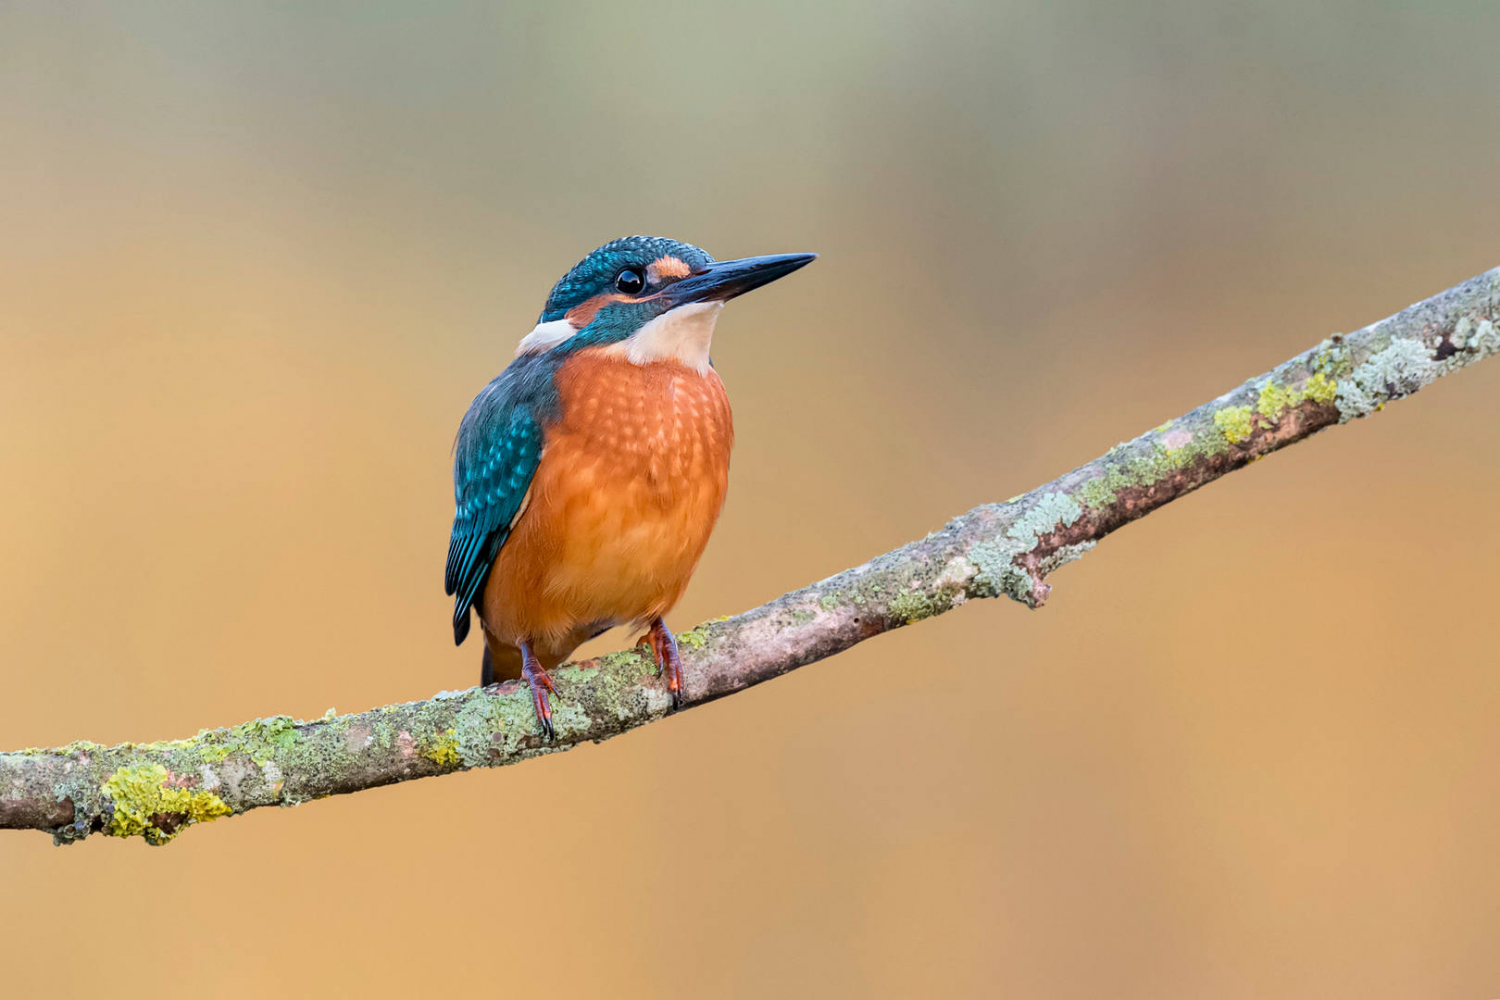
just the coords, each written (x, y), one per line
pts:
(154, 790)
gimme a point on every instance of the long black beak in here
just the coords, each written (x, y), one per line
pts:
(724, 279)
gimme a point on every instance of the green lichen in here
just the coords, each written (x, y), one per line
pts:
(1101, 491)
(802, 616)
(568, 718)
(78, 747)
(828, 602)
(144, 805)
(613, 690)
(494, 723)
(1234, 423)
(1148, 461)
(694, 638)
(1162, 462)
(258, 739)
(442, 749)
(912, 606)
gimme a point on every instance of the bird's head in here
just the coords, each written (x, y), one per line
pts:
(649, 298)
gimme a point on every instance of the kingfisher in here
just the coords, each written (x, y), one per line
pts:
(589, 473)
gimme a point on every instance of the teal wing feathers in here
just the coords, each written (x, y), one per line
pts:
(498, 449)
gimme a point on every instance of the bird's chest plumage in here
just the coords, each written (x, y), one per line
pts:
(656, 435)
(631, 480)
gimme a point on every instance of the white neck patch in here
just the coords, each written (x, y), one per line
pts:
(682, 335)
(544, 336)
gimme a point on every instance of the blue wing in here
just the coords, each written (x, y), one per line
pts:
(498, 448)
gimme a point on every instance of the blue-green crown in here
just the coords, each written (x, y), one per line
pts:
(595, 274)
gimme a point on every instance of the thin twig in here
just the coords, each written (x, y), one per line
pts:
(155, 790)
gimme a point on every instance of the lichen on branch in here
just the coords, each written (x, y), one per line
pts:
(157, 790)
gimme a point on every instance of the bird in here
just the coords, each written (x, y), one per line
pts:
(588, 474)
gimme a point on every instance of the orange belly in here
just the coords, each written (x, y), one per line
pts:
(628, 489)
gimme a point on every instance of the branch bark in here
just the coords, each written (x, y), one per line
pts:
(155, 790)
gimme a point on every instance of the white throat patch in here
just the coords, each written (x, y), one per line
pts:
(544, 336)
(682, 334)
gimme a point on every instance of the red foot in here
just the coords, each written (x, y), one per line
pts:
(668, 660)
(536, 678)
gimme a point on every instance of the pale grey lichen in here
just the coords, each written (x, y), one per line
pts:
(1481, 339)
(569, 718)
(997, 573)
(474, 725)
(955, 577)
(1050, 510)
(1399, 370)
(1408, 364)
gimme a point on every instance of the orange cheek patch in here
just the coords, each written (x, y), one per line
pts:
(584, 312)
(668, 267)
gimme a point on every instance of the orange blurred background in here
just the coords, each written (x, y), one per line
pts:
(255, 259)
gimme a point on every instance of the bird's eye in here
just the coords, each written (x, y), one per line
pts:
(629, 281)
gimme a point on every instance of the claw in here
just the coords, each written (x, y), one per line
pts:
(536, 678)
(668, 659)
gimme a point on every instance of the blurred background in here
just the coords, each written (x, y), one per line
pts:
(255, 260)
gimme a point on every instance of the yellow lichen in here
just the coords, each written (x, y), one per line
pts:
(1277, 399)
(1234, 423)
(146, 806)
(1321, 389)
(443, 750)
(1274, 400)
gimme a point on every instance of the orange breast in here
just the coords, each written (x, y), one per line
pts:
(629, 487)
